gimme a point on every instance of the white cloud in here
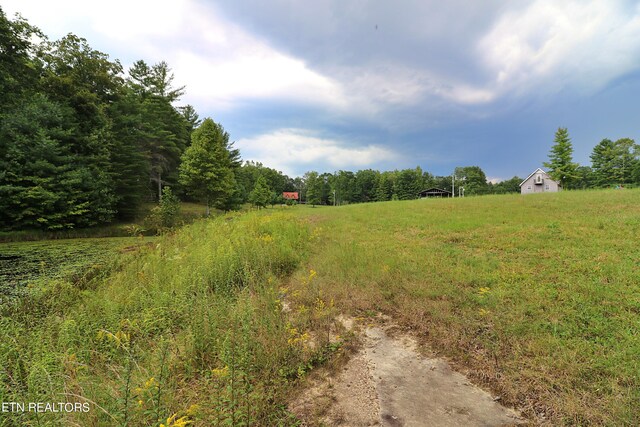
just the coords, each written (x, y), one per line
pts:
(551, 45)
(418, 65)
(296, 150)
(130, 22)
(221, 64)
(462, 93)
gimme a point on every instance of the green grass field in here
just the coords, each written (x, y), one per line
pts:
(536, 297)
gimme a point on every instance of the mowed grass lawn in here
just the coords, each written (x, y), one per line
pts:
(536, 297)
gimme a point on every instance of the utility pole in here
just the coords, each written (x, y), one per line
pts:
(334, 197)
(300, 195)
(453, 185)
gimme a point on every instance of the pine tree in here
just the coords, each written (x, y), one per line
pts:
(206, 170)
(560, 164)
(166, 130)
(129, 166)
(603, 162)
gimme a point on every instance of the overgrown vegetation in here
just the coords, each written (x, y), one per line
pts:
(190, 329)
(29, 265)
(537, 297)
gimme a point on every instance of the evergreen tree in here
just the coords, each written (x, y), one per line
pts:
(560, 164)
(191, 119)
(626, 158)
(206, 171)
(261, 195)
(584, 179)
(164, 136)
(154, 81)
(603, 162)
(129, 166)
(42, 182)
(614, 162)
(165, 129)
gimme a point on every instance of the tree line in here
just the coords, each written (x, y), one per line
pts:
(84, 142)
(81, 141)
(613, 163)
(344, 187)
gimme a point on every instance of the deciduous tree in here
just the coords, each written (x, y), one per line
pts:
(313, 188)
(261, 195)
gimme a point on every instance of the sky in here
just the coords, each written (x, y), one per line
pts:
(355, 84)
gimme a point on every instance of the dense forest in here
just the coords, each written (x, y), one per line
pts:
(84, 142)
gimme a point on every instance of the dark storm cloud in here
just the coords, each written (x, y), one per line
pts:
(353, 84)
(333, 34)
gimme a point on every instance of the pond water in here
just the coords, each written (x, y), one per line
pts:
(32, 263)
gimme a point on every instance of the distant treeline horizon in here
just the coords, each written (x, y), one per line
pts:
(84, 143)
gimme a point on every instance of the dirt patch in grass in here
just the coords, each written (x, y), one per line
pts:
(388, 382)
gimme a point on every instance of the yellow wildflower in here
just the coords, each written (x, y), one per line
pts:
(267, 238)
(173, 422)
(150, 383)
(220, 372)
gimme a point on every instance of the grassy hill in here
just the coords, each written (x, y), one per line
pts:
(536, 296)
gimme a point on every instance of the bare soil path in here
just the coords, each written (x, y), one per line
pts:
(388, 383)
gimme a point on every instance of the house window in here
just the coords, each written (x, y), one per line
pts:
(546, 187)
(528, 187)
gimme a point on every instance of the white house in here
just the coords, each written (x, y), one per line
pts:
(539, 182)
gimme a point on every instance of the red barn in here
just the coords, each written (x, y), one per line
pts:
(290, 195)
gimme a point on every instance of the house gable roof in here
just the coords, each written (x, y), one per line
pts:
(533, 173)
(291, 195)
(434, 190)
